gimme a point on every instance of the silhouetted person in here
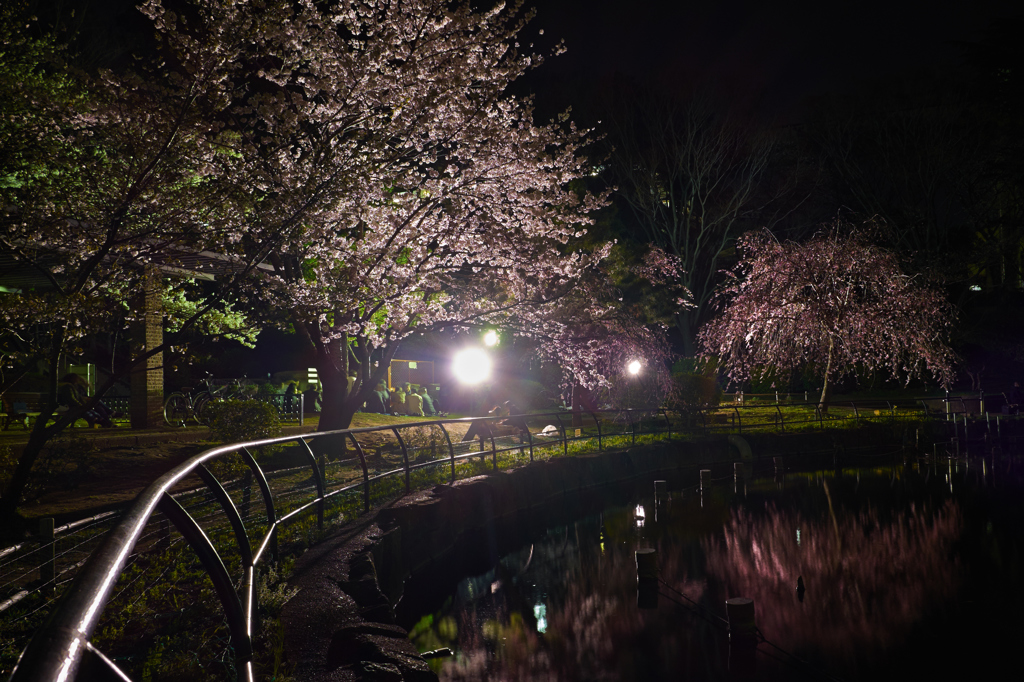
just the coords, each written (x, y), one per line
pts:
(72, 392)
(428, 402)
(414, 404)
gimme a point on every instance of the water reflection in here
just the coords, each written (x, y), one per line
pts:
(868, 576)
(838, 576)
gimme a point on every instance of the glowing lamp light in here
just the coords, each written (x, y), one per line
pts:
(491, 338)
(471, 366)
(634, 367)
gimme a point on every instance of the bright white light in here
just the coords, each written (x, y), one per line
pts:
(490, 338)
(634, 367)
(540, 612)
(471, 366)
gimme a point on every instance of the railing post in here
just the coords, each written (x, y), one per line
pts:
(302, 409)
(48, 569)
(222, 583)
(667, 422)
(739, 419)
(782, 421)
(405, 458)
(318, 475)
(226, 503)
(268, 500)
(366, 472)
(598, 423)
(565, 437)
(494, 447)
(451, 448)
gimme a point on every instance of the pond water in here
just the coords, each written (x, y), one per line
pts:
(910, 570)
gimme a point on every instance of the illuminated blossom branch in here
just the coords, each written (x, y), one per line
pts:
(412, 190)
(835, 303)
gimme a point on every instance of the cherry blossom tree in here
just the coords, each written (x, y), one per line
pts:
(425, 194)
(835, 303)
(108, 181)
(594, 336)
(359, 167)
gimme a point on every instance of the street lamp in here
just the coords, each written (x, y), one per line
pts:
(634, 367)
(491, 338)
(471, 366)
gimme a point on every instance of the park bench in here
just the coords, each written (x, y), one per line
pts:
(23, 408)
(20, 408)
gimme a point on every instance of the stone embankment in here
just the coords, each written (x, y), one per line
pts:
(341, 625)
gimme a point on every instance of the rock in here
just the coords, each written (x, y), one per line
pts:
(378, 672)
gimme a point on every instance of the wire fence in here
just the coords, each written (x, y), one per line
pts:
(182, 580)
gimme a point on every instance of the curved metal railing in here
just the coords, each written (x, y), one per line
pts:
(62, 648)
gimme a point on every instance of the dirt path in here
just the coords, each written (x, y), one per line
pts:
(118, 472)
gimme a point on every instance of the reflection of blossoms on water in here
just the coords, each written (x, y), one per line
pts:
(868, 578)
(592, 627)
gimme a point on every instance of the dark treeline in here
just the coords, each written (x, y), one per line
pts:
(934, 156)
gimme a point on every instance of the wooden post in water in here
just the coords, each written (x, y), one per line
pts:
(742, 622)
(647, 578)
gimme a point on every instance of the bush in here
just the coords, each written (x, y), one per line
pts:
(61, 465)
(232, 421)
(694, 386)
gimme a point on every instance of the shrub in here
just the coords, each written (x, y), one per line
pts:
(694, 385)
(232, 421)
(62, 465)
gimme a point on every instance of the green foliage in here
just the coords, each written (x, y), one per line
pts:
(273, 592)
(60, 466)
(232, 421)
(221, 321)
(694, 386)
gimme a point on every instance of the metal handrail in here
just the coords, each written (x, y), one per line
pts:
(59, 647)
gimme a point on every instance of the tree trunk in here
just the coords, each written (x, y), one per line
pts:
(687, 323)
(826, 389)
(334, 397)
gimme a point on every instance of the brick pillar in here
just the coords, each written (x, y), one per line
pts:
(147, 382)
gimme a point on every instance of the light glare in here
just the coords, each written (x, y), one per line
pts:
(634, 367)
(471, 366)
(491, 337)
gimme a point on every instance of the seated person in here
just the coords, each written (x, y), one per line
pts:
(428, 402)
(72, 392)
(518, 422)
(414, 404)
(398, 401)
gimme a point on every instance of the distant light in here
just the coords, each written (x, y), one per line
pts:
(540, 612)
(634, 367)
(975, 287)
(471, 366)
(640, 516)
(798, 536)
(491, 338)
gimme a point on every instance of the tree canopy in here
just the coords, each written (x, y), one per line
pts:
(834, 303)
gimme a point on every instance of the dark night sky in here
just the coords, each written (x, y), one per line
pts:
(770, 55)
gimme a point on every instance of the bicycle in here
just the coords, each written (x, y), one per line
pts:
(181, 406)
